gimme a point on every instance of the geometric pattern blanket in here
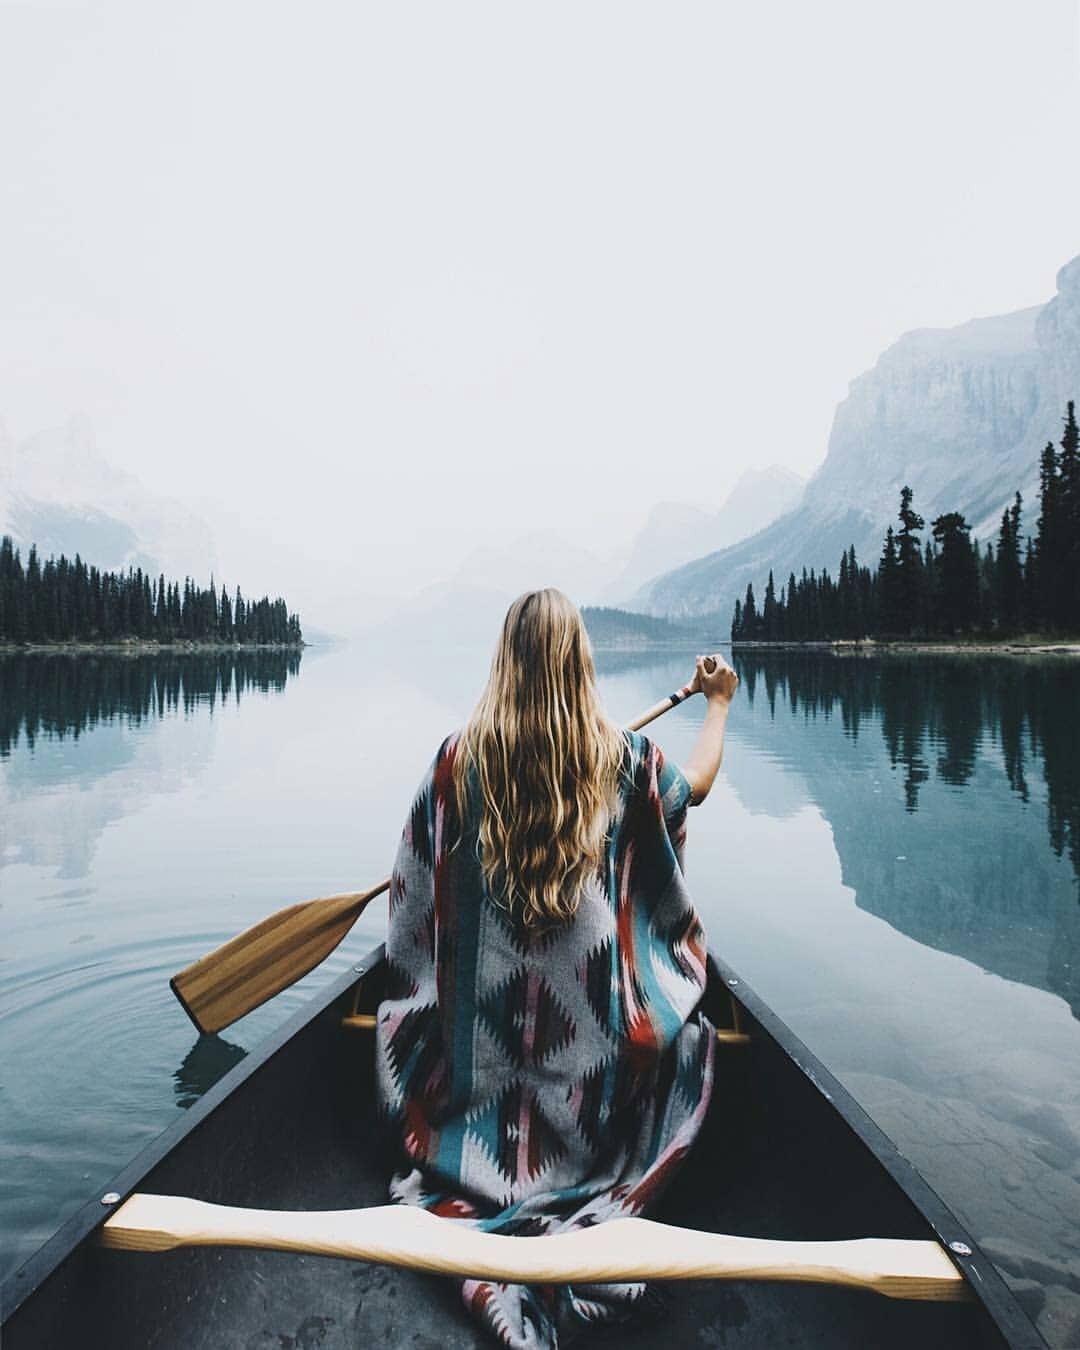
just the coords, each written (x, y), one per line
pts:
(541, 1081)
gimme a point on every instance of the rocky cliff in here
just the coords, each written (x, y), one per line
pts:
(960, 414)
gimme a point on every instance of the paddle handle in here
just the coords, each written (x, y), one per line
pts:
(672, 701)
(617, 1252)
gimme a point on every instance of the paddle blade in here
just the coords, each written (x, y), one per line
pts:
(252, 967)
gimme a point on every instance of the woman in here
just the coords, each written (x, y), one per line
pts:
(540, 1059)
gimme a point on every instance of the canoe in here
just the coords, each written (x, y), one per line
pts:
(785, 1153)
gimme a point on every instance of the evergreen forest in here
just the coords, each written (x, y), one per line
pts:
(69, 601)
(940, 583)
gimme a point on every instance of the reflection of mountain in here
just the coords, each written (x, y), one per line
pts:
(56, 802)
(74, 753)
(938, 778)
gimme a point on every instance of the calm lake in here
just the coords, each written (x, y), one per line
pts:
(890, 856)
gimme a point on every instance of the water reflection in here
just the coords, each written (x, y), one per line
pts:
(49, 695)
(210, 1058)
(941, 782)
(947, 705)
(86, 741)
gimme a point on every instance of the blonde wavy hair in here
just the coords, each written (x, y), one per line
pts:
(546, 760)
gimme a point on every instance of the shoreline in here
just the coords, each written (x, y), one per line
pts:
(923, 646)
(140, 647)
(667, 645)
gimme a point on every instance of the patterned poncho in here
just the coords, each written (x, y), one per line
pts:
(551, 1080)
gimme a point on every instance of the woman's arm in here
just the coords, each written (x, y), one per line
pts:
(718, 686)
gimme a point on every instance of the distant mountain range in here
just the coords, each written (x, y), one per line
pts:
(960, 414)
(676, 532)
(619, 629)
(57, 490)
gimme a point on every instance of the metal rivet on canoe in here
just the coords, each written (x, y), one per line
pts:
(960, 1248)
(733, 982)
(358, 970)
(110, 1197)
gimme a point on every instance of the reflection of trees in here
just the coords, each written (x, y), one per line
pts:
(941, 710)
(1055, 729)
(52, 695)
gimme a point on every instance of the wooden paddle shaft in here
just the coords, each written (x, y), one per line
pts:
(617, 1252)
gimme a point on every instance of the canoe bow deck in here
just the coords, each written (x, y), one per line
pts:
(786, 1154)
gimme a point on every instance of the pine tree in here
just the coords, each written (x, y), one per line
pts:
(1048, 541)
(1008, 572)
(890, 600)
(957, 571)
(1069, 490)
(911, 580)
(225, 625)
(750, 616)
(769, 621)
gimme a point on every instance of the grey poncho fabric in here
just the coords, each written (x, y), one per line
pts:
(537, 1082)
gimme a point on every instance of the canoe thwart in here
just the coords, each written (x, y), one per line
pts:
(620, 1251)
(367, 1022)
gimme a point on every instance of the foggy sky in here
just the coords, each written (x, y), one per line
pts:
(372, 282)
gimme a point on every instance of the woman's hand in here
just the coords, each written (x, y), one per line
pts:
(714, 678)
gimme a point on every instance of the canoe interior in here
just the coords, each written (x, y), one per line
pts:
(295, 1128)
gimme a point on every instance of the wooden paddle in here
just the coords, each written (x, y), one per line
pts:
(244, 972)
(617, 1252)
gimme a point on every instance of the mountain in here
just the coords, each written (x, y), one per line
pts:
(674, 533)
(619, 629)
(960, 414)
(57, 490)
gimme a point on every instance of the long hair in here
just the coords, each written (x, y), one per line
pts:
(545, 759)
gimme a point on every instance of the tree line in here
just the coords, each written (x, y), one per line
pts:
(943, 585)
(69, 601)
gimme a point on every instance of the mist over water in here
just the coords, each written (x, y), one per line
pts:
(889, 857)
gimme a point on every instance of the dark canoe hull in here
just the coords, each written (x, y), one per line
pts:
(786, 1153)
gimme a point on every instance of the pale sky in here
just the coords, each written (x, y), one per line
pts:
(385, 279)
